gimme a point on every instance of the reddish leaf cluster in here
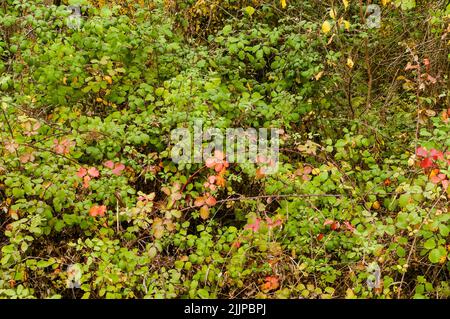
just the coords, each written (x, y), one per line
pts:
(87, 174)
(304, 172)
(217, 162)
(437, 178)
(116, 168)
(261, 171)
(336, 225)
(31, 128)
(97, 211)
(427, 158)
(207, 199)
(423, 75)
(445, 115)
(215, 181)
(271, 223)
(174, 193)
(254, 226)
(63, 147)
(271, 283)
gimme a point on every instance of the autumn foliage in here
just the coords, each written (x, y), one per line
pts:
(92, 204)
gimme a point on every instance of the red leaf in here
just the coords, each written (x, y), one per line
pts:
(273, 223)
(349, 226)
(63, 147)
(421, 152)
(81, 172)
(307, 170)
(335, 226)
(254, 226)
(93, 172)
(236, 244)
(328, 222)
(426, 163)
(211, 201)
(109, 164)
(118, 169)
(320, 237)
(435, 154)
(210, 162)
(438, 178)
(212, 179)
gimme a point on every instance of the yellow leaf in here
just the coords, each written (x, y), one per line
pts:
(326, 27)
(346, 25)
(345, 4)
(349, 294)
(385, 2)
(108, 79)
(158, 231)
(333, 14)
(318, 75)
(158, 228)
(204, 212)
(283, 3)
(350, 63)
(316, 171)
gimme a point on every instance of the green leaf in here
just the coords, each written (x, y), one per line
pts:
(17, 192)
(250, 10)
(443, 230)
(45, 263)
(436, 254)
(430, 244)
(404, 200)
(401, 252)
(202, 293)
(227, 29)
(159, 91)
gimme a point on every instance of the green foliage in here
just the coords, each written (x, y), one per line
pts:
(92, 206)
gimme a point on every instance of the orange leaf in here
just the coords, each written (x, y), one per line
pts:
(260, 173)
(86, 180)
(199, 201)
(220, 181)
(97, 211)
(271, 283)
(211, 201)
